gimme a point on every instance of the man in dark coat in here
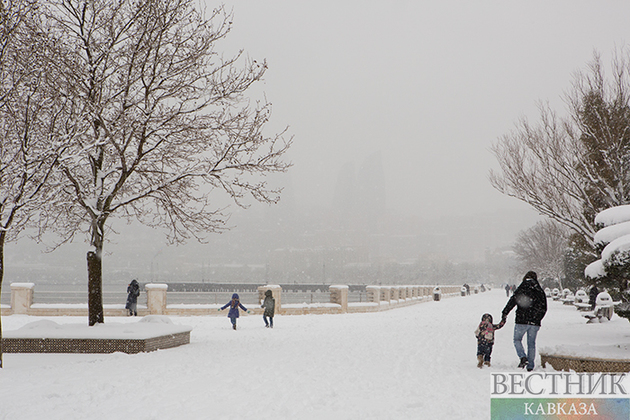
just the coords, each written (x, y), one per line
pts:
(531, 303)
(133, 291)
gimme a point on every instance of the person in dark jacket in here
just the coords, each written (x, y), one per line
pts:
(531, 303)
(133, 291)
(592, 297)
(234, 304)
(270, 305)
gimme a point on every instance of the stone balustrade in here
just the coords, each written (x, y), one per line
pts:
(379, 298)
(21, 297)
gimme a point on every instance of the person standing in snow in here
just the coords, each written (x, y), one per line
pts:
(531, 303)
(592, 297)
(270, 305)
(133, 291)
(485, 339)
(234, 304)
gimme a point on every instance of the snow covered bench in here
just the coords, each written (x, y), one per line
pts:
(604, 308)
(567, 297)
(581, 301)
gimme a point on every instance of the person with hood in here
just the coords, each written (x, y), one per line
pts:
(270, 305)
(485, 339)
(133, 291)
(234, 304)
(531, 303)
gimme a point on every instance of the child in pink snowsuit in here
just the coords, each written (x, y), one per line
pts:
(485, 339)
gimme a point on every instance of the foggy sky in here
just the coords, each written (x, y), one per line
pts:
(404, 96)
(427, 85)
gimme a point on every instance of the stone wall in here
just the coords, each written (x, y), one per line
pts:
(379, 298)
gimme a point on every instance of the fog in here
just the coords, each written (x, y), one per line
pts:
(393, 107)
(427, 86)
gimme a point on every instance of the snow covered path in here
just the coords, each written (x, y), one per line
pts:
(413, 362)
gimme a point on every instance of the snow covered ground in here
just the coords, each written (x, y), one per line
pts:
(412, 362)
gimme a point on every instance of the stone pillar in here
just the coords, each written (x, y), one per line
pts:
(156, 298)
(394, 293)
(373, 294)
(386, 294)
(21, 297)
(339, 295)
(276, 292)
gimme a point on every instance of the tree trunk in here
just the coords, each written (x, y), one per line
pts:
(95, 288)
(2, 237)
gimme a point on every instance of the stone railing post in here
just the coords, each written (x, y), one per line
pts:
(339, 295)
(394, 293)
(276, 293)
(21, 297)
(156, 298)
(386, 294)
(373, 294)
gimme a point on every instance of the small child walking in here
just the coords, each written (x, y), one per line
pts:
(485, 339)
(270, 305)
(234, 304)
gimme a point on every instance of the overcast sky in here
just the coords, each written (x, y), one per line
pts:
(427, 85)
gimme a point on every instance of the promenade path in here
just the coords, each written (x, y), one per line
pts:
(411, 362)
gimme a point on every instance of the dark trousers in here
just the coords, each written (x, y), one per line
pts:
(484, 349)
(268, 323)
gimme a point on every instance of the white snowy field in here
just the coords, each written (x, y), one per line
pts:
(413, 362)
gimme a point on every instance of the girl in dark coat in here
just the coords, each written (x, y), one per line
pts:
(270, 305)
(234, 304)
(485, 339)
(133, 291)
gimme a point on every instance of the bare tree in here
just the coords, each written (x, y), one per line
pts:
(571, 168)
(543, 248)
(29, 111)
(161, 123)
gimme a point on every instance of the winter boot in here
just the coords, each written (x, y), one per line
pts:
(480, 361)
(523, 362)
(487, 363)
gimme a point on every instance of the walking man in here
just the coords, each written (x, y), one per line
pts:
(531, 303)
